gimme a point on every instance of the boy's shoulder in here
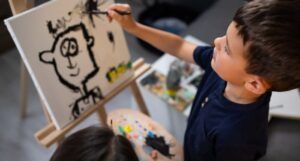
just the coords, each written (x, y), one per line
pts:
(247, 132)
(246, 121)
(236, 119)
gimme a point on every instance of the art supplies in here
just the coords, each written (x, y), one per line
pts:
(145, 134)
(177, 88)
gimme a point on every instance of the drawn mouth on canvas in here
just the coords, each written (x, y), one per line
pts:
(76, 74)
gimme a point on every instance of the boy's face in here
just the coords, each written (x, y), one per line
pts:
(228, 61)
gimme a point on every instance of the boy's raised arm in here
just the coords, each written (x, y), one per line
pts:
(162, 40)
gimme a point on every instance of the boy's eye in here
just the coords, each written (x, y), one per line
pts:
(225, 49)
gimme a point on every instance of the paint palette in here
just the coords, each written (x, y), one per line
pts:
(145, 134)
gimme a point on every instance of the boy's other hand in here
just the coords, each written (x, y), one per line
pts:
(126, 20)
(154, 154)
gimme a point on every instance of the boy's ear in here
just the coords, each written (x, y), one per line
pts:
(257, 85)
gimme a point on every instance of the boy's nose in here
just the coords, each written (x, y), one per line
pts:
(217, 42)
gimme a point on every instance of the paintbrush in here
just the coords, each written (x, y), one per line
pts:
(122, 13)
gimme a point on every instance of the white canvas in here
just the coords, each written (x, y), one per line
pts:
(73, 54)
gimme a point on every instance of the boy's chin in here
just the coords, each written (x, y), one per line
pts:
(212, 64)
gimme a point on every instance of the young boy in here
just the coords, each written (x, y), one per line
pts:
(95, 144)
(258, 54)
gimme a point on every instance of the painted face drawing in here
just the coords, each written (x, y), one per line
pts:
(73, 60)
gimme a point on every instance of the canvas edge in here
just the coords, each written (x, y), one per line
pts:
(31, 73)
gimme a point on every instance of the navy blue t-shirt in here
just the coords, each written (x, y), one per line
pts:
(221, 130)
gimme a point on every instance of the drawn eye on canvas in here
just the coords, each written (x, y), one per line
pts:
(74, 64)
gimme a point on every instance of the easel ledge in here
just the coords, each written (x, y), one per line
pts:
(50, 135)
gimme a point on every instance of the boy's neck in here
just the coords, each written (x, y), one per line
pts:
(238, 94)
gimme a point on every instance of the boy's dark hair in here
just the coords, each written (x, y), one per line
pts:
(271, 31)
(95, 144)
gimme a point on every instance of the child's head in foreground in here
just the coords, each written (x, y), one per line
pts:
(261, 48)
(95, 144)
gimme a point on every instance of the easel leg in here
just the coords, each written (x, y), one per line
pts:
(102, 115)
(16, 7)
(23, 90)
(48, 119)
(29, 3)
(138, 97)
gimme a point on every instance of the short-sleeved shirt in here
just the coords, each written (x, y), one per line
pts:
(221, 130)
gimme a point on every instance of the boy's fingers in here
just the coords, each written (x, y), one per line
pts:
(109, 18)
(154, 154)
(119, 12)
(113, 15)
(120, 7)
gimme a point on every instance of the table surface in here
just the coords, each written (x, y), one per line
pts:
(163, 63)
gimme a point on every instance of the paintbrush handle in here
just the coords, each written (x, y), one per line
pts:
(105, 12)
(123, 12)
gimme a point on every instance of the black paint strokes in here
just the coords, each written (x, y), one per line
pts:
(70, 49)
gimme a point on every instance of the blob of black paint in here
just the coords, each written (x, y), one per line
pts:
(110, 36)
(159, 144)
(91, 8)
(59, 24)
(51, 29)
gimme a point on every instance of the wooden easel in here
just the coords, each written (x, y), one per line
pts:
(18, 6)
(49, 134)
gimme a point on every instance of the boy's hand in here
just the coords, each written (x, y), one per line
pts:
(125, 20)
(154, 154)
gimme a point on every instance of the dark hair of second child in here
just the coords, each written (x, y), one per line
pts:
(95, 144)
